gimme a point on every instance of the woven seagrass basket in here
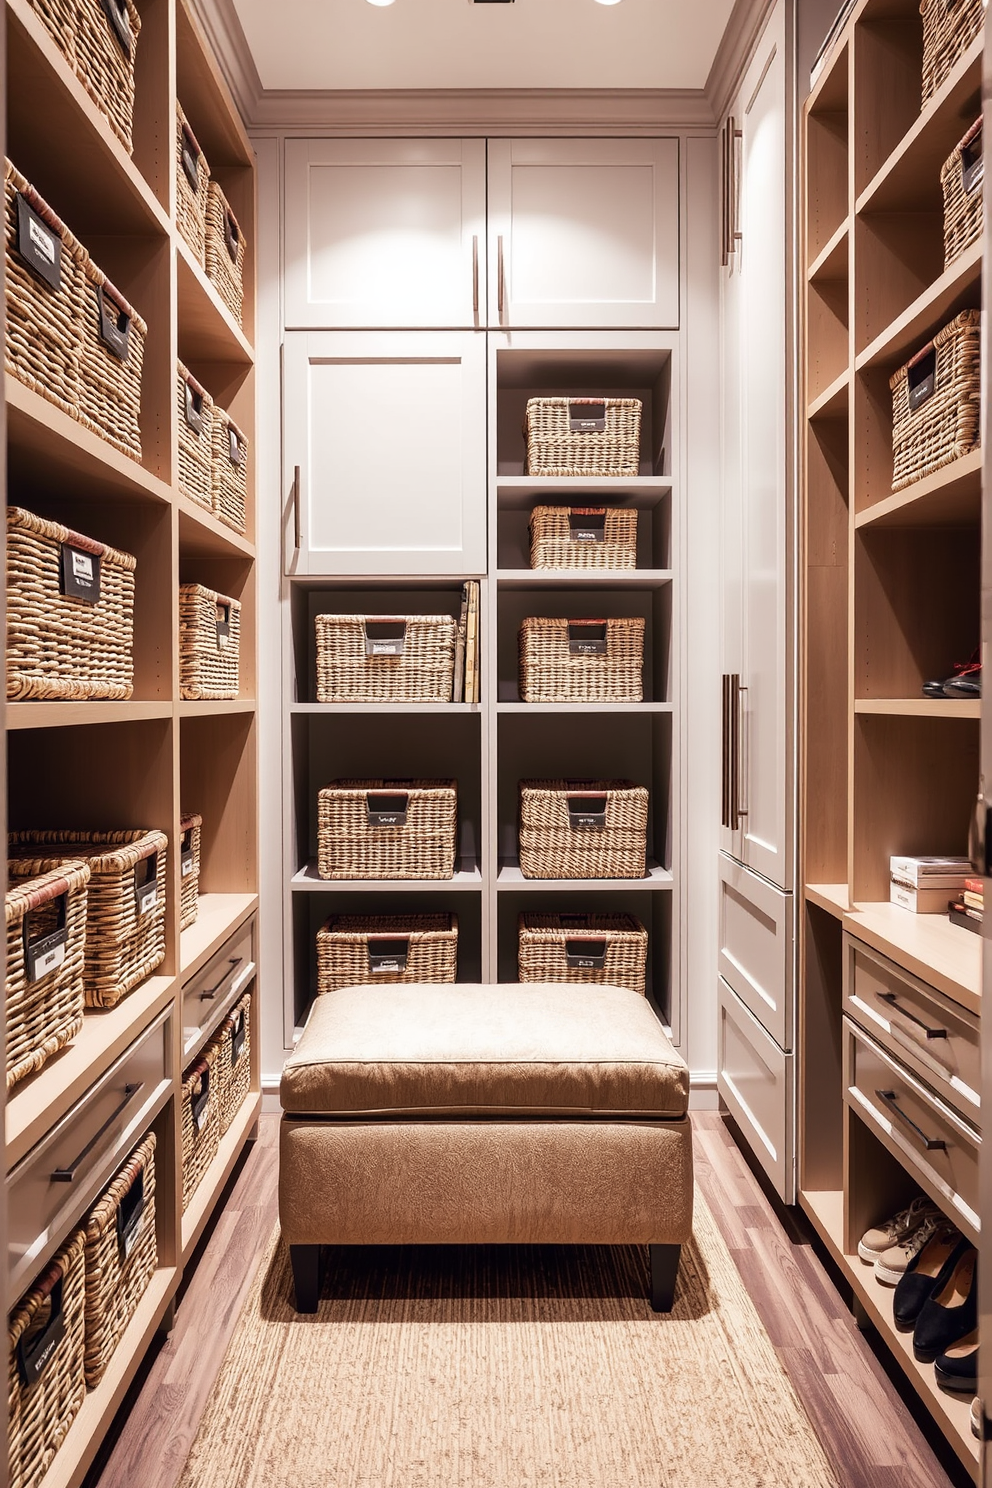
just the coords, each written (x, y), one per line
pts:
(44, 327)
(225, 251)
(190, 827)
(229, 471)
(961, 179)
(583, 537)
(46, 943)
(936, 401)
(583, 829)
(949, 28)
(192, 184)
(125, 909)
(60, 18)
(121, 1256)
(113, 352)
(581, 661)
(387, 829)
(232, 1065)
(209, 643)
(106, 41)
(363, 950)
(60, 646)
(604, 949)
(200, 1120)
(385, 658)
(583, 436)
(196, 438)
(46, 1381)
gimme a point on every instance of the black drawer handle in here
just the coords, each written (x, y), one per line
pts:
(929, 1144)
(210, 993)
(931, 1033)
(67, 1175)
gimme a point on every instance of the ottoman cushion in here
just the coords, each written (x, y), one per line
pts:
(498, 1050)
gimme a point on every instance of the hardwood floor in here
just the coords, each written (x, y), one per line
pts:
(857, 1409)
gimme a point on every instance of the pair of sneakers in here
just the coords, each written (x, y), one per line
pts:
(890, 1246)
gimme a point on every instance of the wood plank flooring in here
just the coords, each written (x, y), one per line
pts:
(858, 1411)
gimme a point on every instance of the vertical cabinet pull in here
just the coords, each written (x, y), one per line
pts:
(742, 762)
(296, 508)
(734, 719)
(475, 275)
(500, 279)
(730, 193)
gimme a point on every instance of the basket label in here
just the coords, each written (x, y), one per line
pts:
(45, 953)
(587, 417)
(193, 409)
(189, 159)
(385, 809)
(231, 236)
(129, 1212)
(235, 448)
(38, 245)
(574, 921)
(587, 637)
(922, 378)
(385, 637)
(80, 573)
(388, 955)
(146, 892)
(34, 1351)
(187, 862)
(972, 164)
(238, 1036)
(586, 955)
(120, 24)
(199, 1104)
(587, 526)
(588, 812)
(115, 326)
(223, 625)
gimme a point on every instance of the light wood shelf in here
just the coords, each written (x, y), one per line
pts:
(55, 714)
(927, 945)
(202, 535)
(208, 1190)
(957, 288)
(534, 708)
(318, 710)
(833, 898)
(308, 880)
(215, 707)
(921, 707)
(831, 261)
(949, 497)
(833, 401)
(217, 918)
(583, 578)
(208, 331)
(510, 877)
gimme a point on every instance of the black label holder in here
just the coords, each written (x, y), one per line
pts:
(587, 416)
(921, 374)
(587, 810)
(79, 574)
(146, 888)
(193, 408)
(129, 1212)
(200, 1101)
(587, 524)
(385, 635)
(387, 808)
(116, 13)
(587, 637)
(388, 953)
(35, 1351)
(586, 954)
(38, 245)
(115, 326)
(46, 953)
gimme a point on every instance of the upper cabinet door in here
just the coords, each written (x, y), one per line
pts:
(584, 233)
(384, 439)
(385, 233)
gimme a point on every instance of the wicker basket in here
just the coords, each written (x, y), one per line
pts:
(196, 435)
(58, 645)
(583, 537)
(935, 402)
(192, 184)
(360, 950)
(121, 1256)
(113, 351)
(189, 869)
(46, 1381)
(106, 41)
(44, 330)
(60, 17)
(583, 829)
(209, 643)
(200, 1120)
(608, 949)
(229, 471)
(232, 1065)
(949, 28)
(225, 251)
(385, 658)
(125, 911)
(46, 941)
(582, 661)
(583, 436)
(387, 829)
(961, 179)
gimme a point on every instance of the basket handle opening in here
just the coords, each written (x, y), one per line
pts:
(232, 235)
(193, 407)
(200, 1099)
(44, 952)
(587, 809)
(586, 416)
(388, 953)
(35, 1351)
(588, 954)
(120, 24)
(189, 158)
(239, 1032)
(129, 1212)
(587, 637)
(385, 636)
(146, 884)
(387, 808)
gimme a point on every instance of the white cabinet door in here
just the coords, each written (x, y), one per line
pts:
(756, 947)
(384, 443)
(385, 233)
(584, 233)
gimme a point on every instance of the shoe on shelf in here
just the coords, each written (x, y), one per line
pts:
(957, 1367)
(923, 1273)
(950, 1312)
(891, 1264)
(964, 682)
(880, 1238)
(976, 1418)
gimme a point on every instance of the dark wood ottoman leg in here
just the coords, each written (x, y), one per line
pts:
(306, 1276)
(664, 1274)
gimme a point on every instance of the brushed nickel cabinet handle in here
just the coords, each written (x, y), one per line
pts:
(475, 275)
(929, 1144)
(68, 1174)
(741, 798)
(500, 280)
(296, 508)
(931, 1033)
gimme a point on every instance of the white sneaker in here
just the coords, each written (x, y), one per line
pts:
(976, 1418)
(890, 1266)
(880, 1238)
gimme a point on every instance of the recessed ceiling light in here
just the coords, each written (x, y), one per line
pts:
(389, 2)
(607, 2)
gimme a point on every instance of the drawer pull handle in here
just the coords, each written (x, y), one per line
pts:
(67, 1175)
(210, 993)
(931, 1033)
(929, 1144)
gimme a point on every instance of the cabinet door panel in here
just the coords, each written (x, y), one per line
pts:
(388, 432)
(385, 233)
(756, 1081)
(756, 947)
(584, 233)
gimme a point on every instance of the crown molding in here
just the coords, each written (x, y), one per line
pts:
(229, 45)
(737, 44)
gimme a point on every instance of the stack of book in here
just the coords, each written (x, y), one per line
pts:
(466, 683)
(967, 909)
(927, 885)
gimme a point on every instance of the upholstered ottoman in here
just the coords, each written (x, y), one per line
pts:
(467, 1115)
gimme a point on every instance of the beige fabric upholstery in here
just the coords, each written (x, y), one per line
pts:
(500, 1050)
(476, 1182)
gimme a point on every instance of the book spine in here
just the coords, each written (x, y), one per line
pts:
(471, 643)
(458, 683)
(967, 919)
(920, 901)
(974, 901)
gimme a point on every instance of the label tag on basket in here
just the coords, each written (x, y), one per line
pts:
(922, 378)
(238, 1036)
(386, 810)
(38, 244)
(587, 811)
(587, 637)
(116, 13)
(115, 326)
(129, 1212)
(231, 236)
(573, 921)
(223, 625)
(44, 953)
(187, 862)
(972, 164)
(189, 159)
(587, 418)
(586, 955)
(146, 892)
(199, 1104)
(388, 955)
(193, 409)
(34, 1351)
(586, 526)
(385, 637)
(80, 574)
(235, 448)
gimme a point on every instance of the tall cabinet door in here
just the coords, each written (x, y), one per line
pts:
(384, 443)
(584, 233)
(385, 233)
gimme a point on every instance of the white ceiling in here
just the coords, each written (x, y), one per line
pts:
(457, 44)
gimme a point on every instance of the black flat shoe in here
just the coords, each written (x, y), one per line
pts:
(957, 1369)
(923, 1273)
(950, 1312)
(933, 689)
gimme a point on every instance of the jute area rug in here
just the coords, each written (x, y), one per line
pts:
(493, 1367)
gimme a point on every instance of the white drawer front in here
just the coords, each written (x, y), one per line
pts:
(756, 947)
(755, 1080)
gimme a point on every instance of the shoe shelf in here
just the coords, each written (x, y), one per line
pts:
(951, 497)
(920, 707)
